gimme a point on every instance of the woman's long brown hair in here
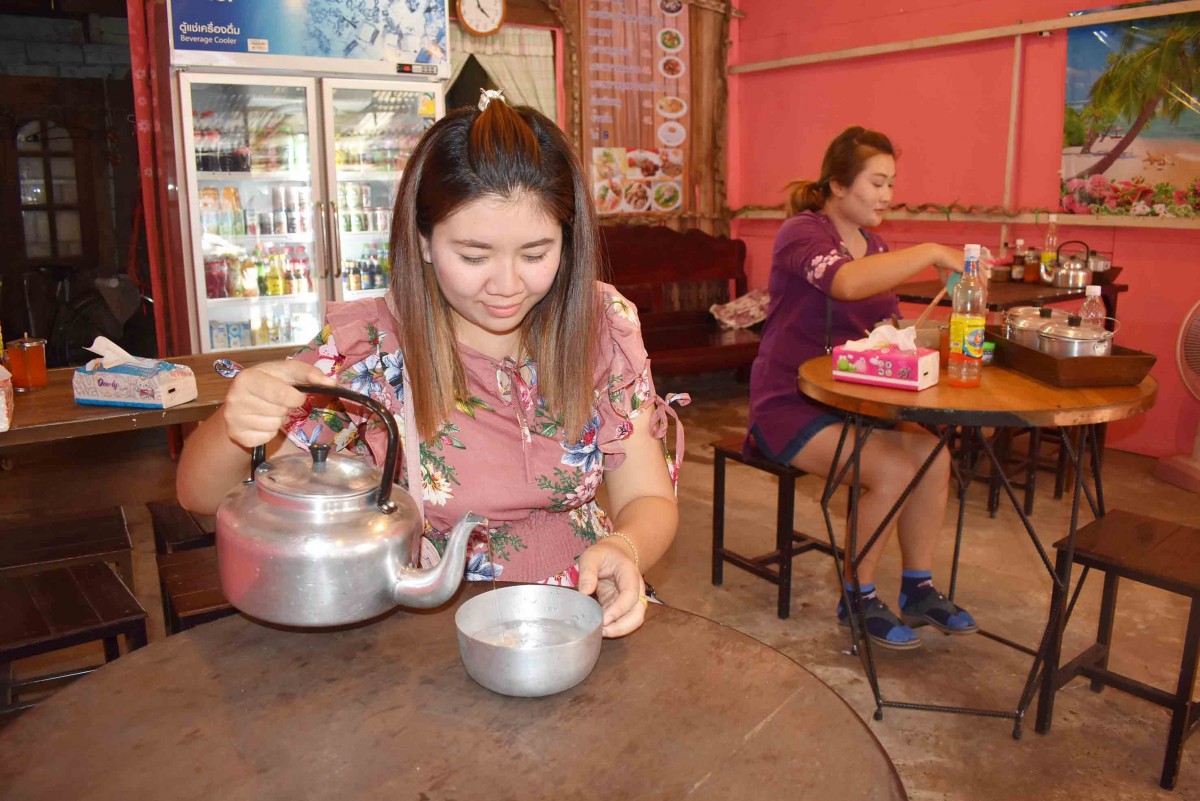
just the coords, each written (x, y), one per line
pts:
(502, 152)
(845, 158)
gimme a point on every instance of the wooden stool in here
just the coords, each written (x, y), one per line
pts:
(32, 543)
(1154, 552)
(191, 589)
(775, 566)
(60, 608)
(177, 529)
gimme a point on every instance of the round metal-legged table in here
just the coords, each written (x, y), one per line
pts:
(1006, 399)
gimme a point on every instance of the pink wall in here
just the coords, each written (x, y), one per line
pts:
(946, 109)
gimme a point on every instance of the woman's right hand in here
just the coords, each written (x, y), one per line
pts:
(261, 399)
(946, 259)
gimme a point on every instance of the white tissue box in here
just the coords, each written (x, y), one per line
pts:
(887, 366)
(147, 383)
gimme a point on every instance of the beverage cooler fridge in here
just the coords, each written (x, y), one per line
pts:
(290, 184)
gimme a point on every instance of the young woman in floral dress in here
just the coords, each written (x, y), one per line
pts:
(528, 377)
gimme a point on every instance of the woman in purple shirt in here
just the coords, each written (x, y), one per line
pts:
(827, 266)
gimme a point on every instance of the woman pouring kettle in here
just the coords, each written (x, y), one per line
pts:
(528, 379)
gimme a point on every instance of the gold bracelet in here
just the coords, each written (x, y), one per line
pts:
(629, 542)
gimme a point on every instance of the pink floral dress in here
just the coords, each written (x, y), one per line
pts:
(503, 454)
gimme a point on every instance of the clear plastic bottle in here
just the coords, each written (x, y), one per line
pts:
(1050, 247)
(1092, 311)
(967, 320)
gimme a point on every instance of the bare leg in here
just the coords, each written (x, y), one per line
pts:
(889, 460)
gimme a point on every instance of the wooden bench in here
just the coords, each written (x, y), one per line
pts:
(673, 277)
(61, 608)
(1154, 552)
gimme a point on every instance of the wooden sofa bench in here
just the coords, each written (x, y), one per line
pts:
(673, 277)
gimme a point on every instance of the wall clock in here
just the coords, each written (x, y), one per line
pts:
(481, 17)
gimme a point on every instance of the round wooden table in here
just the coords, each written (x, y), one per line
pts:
(235, 710)
(1005, 399)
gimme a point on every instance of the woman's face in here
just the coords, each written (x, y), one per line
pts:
(494, 260)
(866, 200)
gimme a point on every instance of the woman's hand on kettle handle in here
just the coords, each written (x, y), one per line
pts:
(607, 570)
(261, 399)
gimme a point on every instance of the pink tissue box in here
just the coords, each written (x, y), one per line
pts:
(887, 367)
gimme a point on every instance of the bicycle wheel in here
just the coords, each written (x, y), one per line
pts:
(76, 327)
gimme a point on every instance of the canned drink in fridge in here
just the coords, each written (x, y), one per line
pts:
(266, 223)
(280, 226)
(341, 195)
(251, 223)
(357, 220)
(292, 218)
(293, 198)
(353, 196)
(380, 220)
(303, 199)
(344, 218)
(278, 197)
(366, 195)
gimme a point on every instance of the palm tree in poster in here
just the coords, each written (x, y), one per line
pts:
(1159, 78)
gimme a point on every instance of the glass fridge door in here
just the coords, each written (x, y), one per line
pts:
(371, 128)
(257, 258)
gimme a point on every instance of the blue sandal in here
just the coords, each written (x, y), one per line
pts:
(940, 612)
(883, 627)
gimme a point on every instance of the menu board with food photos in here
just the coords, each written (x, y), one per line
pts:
(635, 104)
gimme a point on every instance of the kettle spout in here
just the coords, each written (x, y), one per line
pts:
(425, 589)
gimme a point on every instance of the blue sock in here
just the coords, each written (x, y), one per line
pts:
(914, 586)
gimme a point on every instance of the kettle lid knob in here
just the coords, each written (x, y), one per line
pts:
(319, 453)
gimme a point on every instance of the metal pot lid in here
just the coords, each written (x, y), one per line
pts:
(318, 475)
(1033, 318)
(1072, 330)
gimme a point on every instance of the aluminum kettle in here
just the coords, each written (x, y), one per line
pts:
(1070, 271)
(317, 539)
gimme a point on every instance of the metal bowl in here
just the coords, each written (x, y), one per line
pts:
(530, 640)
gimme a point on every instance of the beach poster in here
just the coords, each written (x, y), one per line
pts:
(1131, 132)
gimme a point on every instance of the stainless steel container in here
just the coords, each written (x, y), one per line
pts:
(531, 640)
(1099, 262)
(1068, 339)
(1021, 323)
(318, 540)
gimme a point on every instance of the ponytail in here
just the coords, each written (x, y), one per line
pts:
(501, 135)
(806, 196)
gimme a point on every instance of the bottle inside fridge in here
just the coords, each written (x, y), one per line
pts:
(252, 218)
(374, 131)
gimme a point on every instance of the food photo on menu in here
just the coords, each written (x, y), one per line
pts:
(666, 196)
(671, 107)
(671, 67)
(637, 196)
(670, 40)
(670, 7)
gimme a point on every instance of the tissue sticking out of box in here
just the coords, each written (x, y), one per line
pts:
(119, 379)
(111, 354)
(899, 338)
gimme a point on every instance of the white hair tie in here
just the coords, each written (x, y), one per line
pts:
(486, 96)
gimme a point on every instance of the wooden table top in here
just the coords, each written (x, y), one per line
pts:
(1006, 398)
(1001, 294)
(235, 710)
(52, 414)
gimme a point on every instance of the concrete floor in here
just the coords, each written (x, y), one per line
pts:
(1106, 746)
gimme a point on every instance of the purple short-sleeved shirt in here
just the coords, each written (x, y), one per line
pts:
(808, 254)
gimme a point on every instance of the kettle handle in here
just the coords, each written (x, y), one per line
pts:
(384, 499)
(1086, 247)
